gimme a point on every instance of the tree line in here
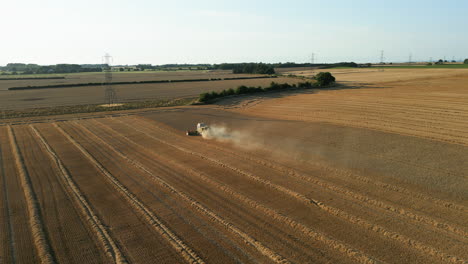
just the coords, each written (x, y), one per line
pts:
(23, 68)
(250, 68)
(322, 79)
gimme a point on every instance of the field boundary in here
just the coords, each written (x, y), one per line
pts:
(31, 78)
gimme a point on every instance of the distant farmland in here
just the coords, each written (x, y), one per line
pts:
(24, 99)
(94, 77)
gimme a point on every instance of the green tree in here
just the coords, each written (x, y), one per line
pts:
(466, 61)
(324, 78)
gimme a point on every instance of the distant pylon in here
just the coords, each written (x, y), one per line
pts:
(410, 57)
(312, 58)
(381, 57)
(109, 91)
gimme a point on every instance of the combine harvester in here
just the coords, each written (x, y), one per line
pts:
(201, 128)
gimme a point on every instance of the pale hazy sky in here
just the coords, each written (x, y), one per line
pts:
(202, 31)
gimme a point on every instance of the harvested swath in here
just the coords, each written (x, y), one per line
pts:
(216, 218)
(333, 211)
(330, 242)
(21, 241)
(41, 242)
(176, 242)
(6, 230)
(94, 222)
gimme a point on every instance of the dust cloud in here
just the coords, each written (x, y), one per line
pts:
(255, 139)
(240, 138)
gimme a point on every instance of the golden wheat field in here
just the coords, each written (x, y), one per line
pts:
(364, 172)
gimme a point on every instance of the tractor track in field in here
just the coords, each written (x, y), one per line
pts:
(331, 210)
(94, 222)
(188, 254)
(348, 193)
(41, 241)
(334, 244)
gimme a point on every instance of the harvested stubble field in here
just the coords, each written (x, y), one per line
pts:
(277, 186)
(23, 99)
(95, 77)
(363, 76)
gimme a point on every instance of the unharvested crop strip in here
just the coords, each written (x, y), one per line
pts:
(377, 116)
(108, 243)
(353, 253)
(418, 113)
(41, 242)
(391, 106)
(187, 253)
(385, 127)
(371, 120)
(213, 216)
(331, 210)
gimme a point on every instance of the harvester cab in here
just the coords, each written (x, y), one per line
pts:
(201, 127)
